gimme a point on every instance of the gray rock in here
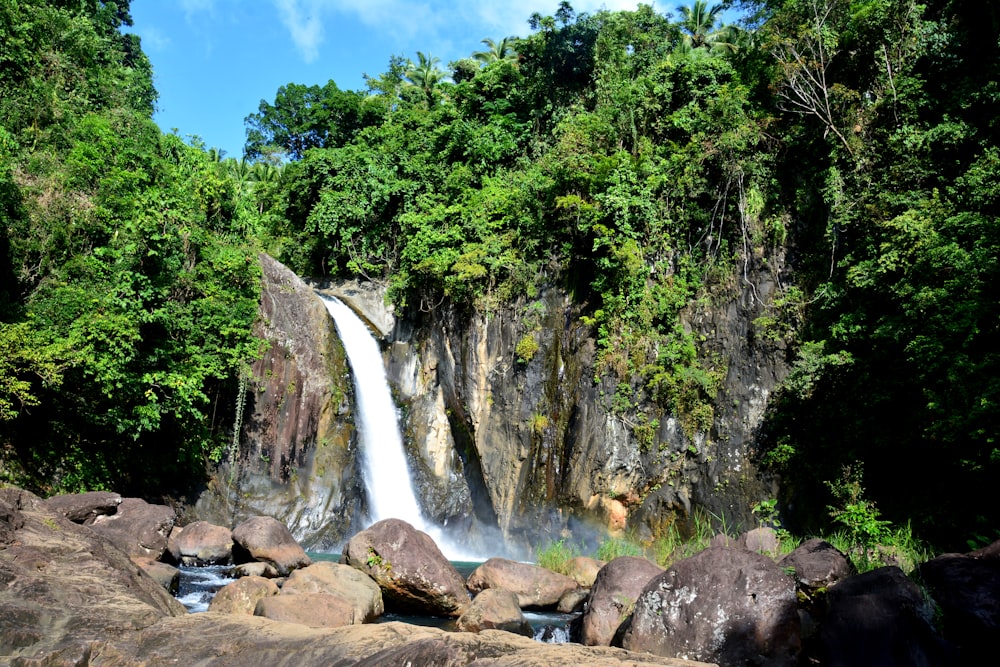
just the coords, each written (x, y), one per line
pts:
(724, 605)
(266, 539)
(536, 587)
(967, 592)
(137, 528)
(613, 596)
(409, 568)
(816, 564)
(762, 540)
(165, 575)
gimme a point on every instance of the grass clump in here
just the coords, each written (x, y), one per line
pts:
(556, 556)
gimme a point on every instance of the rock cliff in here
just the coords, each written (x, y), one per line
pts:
(506, 427)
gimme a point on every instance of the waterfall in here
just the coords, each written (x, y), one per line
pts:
(386, 475)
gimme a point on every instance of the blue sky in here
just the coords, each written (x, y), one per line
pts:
(214, 60)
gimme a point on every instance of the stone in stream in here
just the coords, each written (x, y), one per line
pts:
(536, 587)
(201, 543)
(265, 539)
(413, 574)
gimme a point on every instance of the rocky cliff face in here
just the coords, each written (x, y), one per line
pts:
(539, 446)
(296, 457)
(506, 428)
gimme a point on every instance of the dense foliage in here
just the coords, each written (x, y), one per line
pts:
(648, 162)
(129, 285)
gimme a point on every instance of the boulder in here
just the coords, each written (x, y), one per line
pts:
(201, 543)
(583, 570)
(613, 596)
(65, 585)
(165, 575)
(879, 618)
(967, 592)
(409, 568)
(241, 596)
(265, 539)
(315, 610)
(536, 587)
(85, 507)
(495, 609)
(725, 605)
(816, 564)
(762, 540)
(990, 551)
(573, 600)
(70, 597)
(137, 528)
(341, 580)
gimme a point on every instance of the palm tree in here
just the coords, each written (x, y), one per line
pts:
(702, 30)
(495, 51)
(426, 75)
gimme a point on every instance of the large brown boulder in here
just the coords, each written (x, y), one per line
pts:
(967, 592)
(494, 609)
(65, 585)
(409, 568)
(201, 543)
(880, 618)
(613, 596)
(536, 587)
(165, 575)
(344, 581)
(583, 570)
(137, 528)
(724, 605)
(85, 507)
(242, 595)
(266, 539)
(316, 610)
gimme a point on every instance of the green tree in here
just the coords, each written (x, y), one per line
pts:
(496, 50)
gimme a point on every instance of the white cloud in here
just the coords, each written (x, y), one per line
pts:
(192, 7)
(304, 21)
(425, 21)
(154, 39)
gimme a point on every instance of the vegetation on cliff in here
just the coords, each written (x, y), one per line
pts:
(649, 161)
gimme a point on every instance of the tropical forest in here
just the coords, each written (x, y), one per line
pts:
(648, 164)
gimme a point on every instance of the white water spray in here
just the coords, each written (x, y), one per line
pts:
(387, 478)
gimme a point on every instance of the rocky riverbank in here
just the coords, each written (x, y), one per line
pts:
(85, 583)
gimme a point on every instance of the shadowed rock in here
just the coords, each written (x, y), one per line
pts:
(731, 606)
(816, 564)
(967, 591)
(265, 539)
(409, 568)
(535, 587)
(613, 596)
(879, 618)
(85, 507)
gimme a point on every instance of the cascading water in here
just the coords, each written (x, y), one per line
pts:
(386, 474)
(387, 477)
